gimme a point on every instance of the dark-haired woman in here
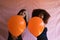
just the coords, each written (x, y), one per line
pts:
(22, 13)
(44, 15)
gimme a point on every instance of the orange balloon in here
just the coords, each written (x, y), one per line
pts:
(16, 25)
(36, 26)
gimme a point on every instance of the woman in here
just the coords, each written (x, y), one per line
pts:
(22, 13)
(45, 16)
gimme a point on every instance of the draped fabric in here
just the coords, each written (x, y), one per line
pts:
(9, 8)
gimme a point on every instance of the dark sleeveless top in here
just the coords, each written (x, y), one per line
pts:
(43, 36)
(19, 37)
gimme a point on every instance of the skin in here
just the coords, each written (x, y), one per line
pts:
(23, 14)
(41, 16)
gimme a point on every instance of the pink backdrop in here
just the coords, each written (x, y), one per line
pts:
(12, 7)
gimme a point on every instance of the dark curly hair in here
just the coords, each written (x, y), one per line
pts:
(37, 12)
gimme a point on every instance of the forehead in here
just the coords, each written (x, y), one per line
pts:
(41, 14)
(23, 13)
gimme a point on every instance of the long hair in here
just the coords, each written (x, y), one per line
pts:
(21, 11)
(26, 16)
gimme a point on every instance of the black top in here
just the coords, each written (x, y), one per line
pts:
(19, 37)
(43, 36)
